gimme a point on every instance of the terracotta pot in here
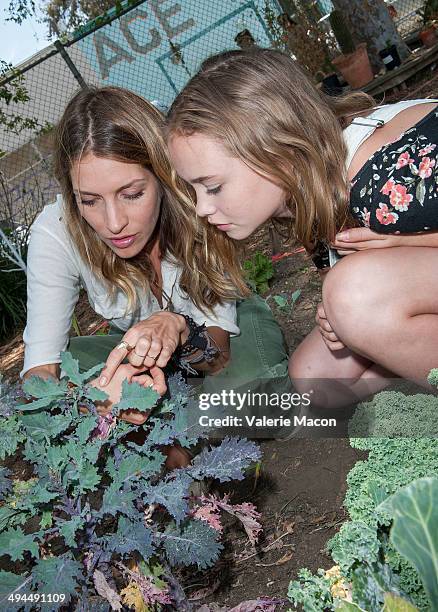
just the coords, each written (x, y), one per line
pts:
(429, 37)
(355, 67)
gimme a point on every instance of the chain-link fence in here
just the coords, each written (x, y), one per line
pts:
(407, 15)
(153, 48)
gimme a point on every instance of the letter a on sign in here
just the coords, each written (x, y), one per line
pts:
(106, 62)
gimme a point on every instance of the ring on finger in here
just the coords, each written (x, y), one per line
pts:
(124, 345)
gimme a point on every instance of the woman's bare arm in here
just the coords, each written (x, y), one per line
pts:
(50, 370)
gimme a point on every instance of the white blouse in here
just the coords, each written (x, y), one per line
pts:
(55, 274)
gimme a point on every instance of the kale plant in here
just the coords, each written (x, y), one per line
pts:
(363, 579)
(386, 555)
(99, 522)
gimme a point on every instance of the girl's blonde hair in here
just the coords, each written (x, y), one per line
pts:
(115, 123)
(267, 112)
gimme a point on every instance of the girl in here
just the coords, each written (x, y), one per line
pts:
(123, 229)
(257, 140)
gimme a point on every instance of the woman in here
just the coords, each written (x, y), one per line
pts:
(256, 140)
(123, 229)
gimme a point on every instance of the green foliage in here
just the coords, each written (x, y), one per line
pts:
(258, 271)
(393, 414)
(374, 585)
(414, 531)
(341, 32)
(393, 603)
(311, 591)
(388, 551)
(101, 500)
(285, 302)
(19, 10)
(391, 465)
(13, 92)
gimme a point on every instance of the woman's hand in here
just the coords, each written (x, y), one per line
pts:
(328, 335)
(154, 378)
(362, 238)
(146, 344)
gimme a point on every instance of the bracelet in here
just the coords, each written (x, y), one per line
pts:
(198, 339)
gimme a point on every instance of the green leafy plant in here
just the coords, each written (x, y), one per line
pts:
(311, 591)
(285, 302)
(258, 270)
(98, 517)
(374, 586)
(13, 91)
(414, 531)
(387, 553)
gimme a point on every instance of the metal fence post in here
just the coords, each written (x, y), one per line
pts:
(67, 59)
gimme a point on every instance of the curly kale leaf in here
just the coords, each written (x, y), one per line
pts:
(57, 575)
(130, 536)
(414, 531)
(311, 591)
(11, 435)
(15, 542)
(12, 583)
(135, 396)
(46, 391)
(354, 543)
(170, 494)
(392, 414)
(226, 461)
(195, 543)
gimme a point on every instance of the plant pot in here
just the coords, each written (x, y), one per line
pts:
(331, 85)
(355, 67)
(390, 57)
(429, 37)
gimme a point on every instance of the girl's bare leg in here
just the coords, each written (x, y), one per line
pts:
(336, 379)
(383, 305)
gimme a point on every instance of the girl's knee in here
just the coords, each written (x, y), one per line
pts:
(351, 291)
(307, 362)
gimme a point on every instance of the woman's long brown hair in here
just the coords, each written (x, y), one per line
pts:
(115, 123)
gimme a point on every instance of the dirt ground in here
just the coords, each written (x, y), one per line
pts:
(301, 486)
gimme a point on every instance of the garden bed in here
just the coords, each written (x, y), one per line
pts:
(300, 485)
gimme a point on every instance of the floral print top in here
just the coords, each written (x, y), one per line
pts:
(396, 190)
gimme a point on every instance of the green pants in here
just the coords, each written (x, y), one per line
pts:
(258, 355)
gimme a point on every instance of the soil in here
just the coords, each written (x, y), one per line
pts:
(301, 485)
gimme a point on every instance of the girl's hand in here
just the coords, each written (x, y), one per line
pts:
(328, 335)
(149, 343)
(362, 238)
(154, 378)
